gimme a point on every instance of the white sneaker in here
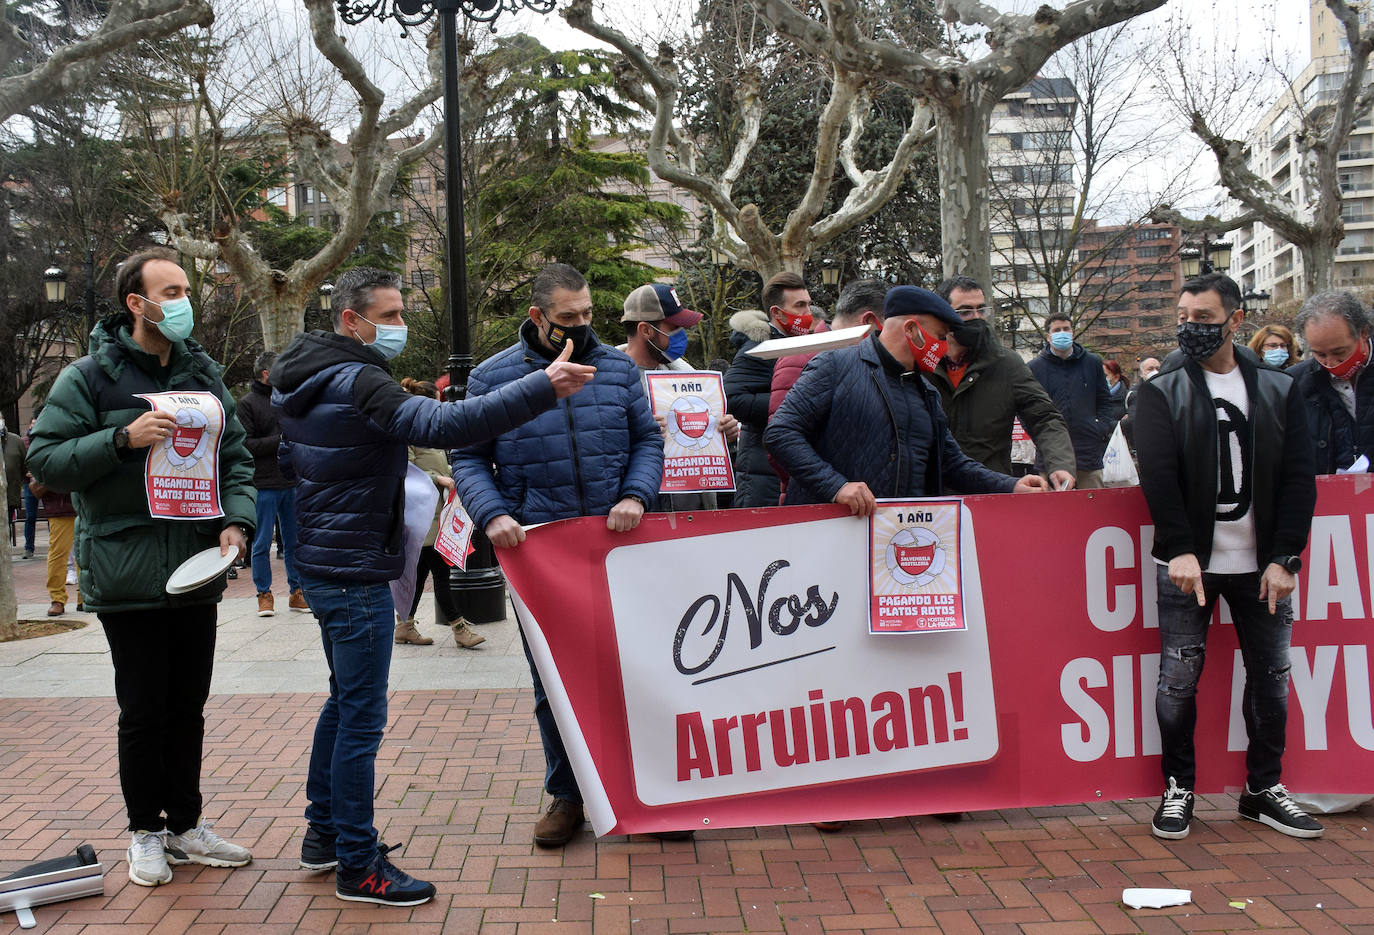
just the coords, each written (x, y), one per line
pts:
(148, 859)
(200, 845)
(71, 576)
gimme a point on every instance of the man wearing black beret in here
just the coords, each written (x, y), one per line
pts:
(862, 422)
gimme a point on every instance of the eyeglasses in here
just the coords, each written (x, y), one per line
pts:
(972, 311)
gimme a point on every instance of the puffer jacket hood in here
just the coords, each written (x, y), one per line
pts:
(306, 360)
(753, 324)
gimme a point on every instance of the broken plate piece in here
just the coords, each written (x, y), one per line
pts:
(1146, 898)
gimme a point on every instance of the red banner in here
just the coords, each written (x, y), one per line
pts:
(716, 669)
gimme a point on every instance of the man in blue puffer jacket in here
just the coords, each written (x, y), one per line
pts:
(348, 424)
(598, 454)
(862, 422)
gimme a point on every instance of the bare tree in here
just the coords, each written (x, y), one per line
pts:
(78, 63)
(654, 83)
(962, 91)
(358, 183)
(1313, 223)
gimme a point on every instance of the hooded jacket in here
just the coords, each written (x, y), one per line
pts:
(852, 418)
(347, 426)
(997, 388)
(599, 446)
(748, 384)
(1176, 441)
(125, 554)
(1079, 390)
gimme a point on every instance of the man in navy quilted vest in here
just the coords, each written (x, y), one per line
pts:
(598, 454)
(346, 424)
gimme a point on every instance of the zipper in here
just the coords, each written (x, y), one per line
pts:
(576, 464)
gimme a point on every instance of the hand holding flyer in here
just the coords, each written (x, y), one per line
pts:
(690, 405)
(182, 473)
(454, 541)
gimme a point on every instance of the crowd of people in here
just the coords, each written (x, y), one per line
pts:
(1229, 440)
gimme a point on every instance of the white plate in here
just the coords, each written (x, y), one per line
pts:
(200, 569)
(774, 348)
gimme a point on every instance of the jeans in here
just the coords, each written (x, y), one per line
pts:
(30, 518)
(559, 780)
(356, 627)
(1264, 639)
(273, 506)
(162, 661)
(431, 561)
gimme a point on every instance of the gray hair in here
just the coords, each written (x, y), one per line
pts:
(1334, 304)
(354, 289)
(554, 276)
(264, 361)
(861, 295)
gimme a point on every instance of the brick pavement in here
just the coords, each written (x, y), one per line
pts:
(459, 778)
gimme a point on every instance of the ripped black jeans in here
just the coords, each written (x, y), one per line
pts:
(1264, 640)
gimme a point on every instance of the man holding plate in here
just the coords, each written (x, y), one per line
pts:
(152, 489)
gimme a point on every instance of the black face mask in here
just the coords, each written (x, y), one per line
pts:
(579, 335)
(970, 334)
(1200, 340)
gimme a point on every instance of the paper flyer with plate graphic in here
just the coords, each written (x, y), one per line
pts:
(182, 473)
(695, 459)
(454, 540)
(914, 567)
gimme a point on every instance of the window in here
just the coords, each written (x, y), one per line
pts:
(324, 199)
(421, 184)
(423, 278)
(277, 196)
(306, 195)
(1153, 233)
(1161, 250)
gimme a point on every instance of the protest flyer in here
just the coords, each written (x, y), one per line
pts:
(182, 472)
(454, 541)
(914, 567)
(691, 403)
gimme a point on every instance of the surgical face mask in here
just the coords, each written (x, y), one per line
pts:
(177, 317)
(579, 335)
(1200, 340)
(1276, 356)
(1061, 340)
(677, 344)
(390, 339)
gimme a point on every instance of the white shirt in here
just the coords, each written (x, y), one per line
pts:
(1233, 535)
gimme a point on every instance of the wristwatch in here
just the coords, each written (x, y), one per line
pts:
(1290, 562)
(121, 439)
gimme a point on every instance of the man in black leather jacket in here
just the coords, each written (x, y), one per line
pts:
(1226, 468)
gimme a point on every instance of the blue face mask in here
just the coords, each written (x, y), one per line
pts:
(677, 344)
(1061, 340)
(390, 340)
(177, 318)
(1276, 356)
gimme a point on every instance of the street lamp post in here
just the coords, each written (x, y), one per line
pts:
(55, 287)
(479, 589)
(408, 13)
(1256, 301)
(1204, 256)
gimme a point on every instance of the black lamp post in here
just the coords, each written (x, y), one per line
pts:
(1256, 301)
(479, 590)
(55, 288)
(1204, 256)
(409, 13)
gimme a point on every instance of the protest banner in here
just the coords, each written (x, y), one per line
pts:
(695, 457)
(739, 684)
(181, 476)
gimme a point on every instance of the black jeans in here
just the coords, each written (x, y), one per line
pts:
(162, 662)
(431, 561)
(1264, 639)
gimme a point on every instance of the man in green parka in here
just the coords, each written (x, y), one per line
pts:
(95, 438)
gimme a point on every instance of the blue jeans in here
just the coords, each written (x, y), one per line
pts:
(1264, 639)
(357, 626)
(30, 518)
(559, 780)
(273, 506)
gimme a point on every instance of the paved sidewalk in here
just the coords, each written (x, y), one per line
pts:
(459, 780)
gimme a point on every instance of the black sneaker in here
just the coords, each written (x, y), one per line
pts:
(317, 850)
(382, 883)
(1276, 808)
(1174, 814)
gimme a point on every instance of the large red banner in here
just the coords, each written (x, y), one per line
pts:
(715, 669)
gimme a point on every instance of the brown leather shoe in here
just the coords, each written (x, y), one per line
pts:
(829, 827)
(407, 633)
(297, 602)
(559, 823)
(265, 604)
(57, 609)
(464, 635)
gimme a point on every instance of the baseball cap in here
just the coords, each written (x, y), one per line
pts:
(658, 302)
(913, 300)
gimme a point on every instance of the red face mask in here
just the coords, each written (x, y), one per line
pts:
(793, 324)
(1352, 364)
(929, 356)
